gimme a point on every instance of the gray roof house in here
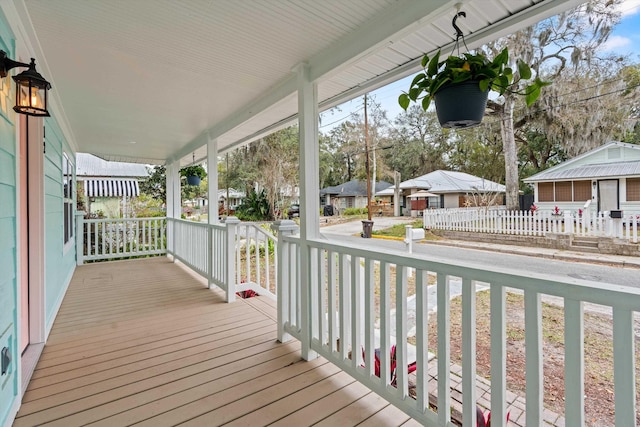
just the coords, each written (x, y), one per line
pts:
(351, 194)
(608, 176)
(450, 187)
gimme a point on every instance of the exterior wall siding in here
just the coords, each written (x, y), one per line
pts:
(8, 234)
(60, 261)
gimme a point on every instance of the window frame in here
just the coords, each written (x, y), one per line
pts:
(68, 220)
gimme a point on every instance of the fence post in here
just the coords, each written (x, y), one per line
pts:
(230, 270)
(568, 222)
(79, 237)
(283, 227)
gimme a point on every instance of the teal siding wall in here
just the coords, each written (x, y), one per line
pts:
(60, 262)
(8, 233)
(59, 259)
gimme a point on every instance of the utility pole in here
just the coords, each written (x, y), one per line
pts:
(367, 225)
(366, 162)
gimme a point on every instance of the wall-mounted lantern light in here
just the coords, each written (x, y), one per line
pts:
(32, 88)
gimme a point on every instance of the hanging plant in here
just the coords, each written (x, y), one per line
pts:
(475, 73)
(193, 174)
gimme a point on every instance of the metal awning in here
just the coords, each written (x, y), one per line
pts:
(422, 193)
(111, 187)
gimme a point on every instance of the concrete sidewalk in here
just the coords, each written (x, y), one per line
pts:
(558, 254)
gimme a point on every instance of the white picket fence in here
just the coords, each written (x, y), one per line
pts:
(527, 223)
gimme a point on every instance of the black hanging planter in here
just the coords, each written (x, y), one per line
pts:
(461, 105)
(193, 180)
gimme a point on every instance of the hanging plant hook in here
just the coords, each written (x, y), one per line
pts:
(459, 33)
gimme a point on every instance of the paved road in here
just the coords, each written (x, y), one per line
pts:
(562, 269)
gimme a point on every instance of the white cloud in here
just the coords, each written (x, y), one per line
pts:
(616, 43)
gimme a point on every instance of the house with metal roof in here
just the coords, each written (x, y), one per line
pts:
(351, 194)
(108, 186)
(449, 189)
(606, 178)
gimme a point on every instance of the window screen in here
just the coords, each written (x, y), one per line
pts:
(545, 192)
(581, 191)
(563, 191)
(633, 189)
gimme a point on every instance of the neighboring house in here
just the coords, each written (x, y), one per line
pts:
(352, 194)
(448, 190)
(608, 176)
(108, 187)
(235, 198)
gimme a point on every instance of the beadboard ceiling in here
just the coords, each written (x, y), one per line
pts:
(169, 74)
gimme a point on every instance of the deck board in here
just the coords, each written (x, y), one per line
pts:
(146, 342)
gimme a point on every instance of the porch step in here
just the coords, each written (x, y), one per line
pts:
(586, 244)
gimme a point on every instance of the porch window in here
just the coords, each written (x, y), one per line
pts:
(581, 191)
(67, 197)
(545, 191)
(563, 191)
(633, 189)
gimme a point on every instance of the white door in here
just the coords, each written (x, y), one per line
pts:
(608, 195)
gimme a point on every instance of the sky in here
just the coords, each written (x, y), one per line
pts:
(625, 40)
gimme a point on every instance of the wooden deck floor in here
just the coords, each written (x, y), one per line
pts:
(144, 342)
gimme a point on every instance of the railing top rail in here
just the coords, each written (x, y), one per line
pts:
(570, 288)
(194, 223)
(124, 219)
(258, 227)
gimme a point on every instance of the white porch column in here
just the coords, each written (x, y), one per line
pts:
(309, 203)
(212, 165)
(173, 201)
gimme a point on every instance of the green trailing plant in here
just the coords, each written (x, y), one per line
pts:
(255, 207)
(493, 75)
(194, 170)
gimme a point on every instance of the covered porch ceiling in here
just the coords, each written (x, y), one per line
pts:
(168, 74)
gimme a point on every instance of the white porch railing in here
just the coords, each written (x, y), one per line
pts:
(337, 321)
(235, 256)
(256, 259)
(531, 223)
(103, 239)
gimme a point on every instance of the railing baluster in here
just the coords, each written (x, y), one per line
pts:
(322, 313)
(574, 371)
(385, 322)
(422, 341)
(533, 357)
(344, 304)
(401, 331)
(357, 305)
(331, 309)
(498, 353)
(369, 316)
(468, 352)
(624, 370)
(444, 350)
